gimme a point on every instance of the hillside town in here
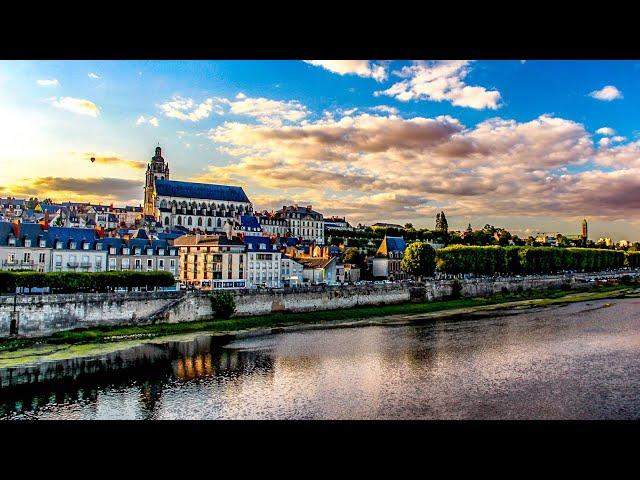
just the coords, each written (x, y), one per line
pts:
(209, 237)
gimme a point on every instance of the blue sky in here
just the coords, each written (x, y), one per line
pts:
(507, 142)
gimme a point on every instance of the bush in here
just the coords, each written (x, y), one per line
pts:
(223, 304)
(419, 259)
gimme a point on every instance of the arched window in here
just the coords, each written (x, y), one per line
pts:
(166, 220)
(219, 223)
(179, 220)
(209, 223)
(189, 221)
(199, 221)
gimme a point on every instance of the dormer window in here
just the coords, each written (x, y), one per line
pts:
(263, 246)
(43, 243)
(27, 242)
(149, 251)
(112, 251)
(173, 252)
(72, 246)
(12, 242)
(137, 250)
(58, 244)
(98, 246)
(125, 251)
(161, 251)
(85, 246)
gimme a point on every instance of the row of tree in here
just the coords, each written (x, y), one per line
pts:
(70, 282)
(420, 259)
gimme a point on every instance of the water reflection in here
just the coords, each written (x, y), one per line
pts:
(577, 361)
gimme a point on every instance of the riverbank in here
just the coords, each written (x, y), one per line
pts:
(233, 326)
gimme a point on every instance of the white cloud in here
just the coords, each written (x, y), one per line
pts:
(385, 109)
(606, 131)
(76, 105)
(53, 82)
(618, 139)
(441, 81)
(362, 68)
(93, 76)
(186, 109)
(151, 120)
(606, 93)
(266, 111)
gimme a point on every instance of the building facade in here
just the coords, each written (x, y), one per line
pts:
(303, 222)
(263, 263)
(76, 250)
(24, 246)
(386, 263)
(212, 262)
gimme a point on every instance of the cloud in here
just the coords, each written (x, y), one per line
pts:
(53, 82)
(372, 167)
(606, 93)
(362, 68)
(385, 109)
(186, 109)
(151, 120)
(441, 81)
(94, 189)
(114, 160)
(606, 131)
(93, 76)
(76, 105)
(271, 112)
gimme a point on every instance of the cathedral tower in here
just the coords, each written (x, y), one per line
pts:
(157, 169)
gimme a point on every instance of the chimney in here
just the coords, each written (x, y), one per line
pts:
(16, 229)
(309, 208)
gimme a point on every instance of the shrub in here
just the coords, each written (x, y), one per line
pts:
(223, 304)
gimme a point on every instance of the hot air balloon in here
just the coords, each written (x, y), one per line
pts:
(93, 159)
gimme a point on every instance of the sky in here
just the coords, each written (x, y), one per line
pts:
(531, 146)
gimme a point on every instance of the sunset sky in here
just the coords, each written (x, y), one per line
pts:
(527, 145)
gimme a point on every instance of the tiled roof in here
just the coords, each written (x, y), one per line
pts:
(173, 188)
(315, 262)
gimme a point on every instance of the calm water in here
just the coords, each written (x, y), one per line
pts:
(575, 362)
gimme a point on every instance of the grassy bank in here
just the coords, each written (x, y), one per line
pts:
(115, 333)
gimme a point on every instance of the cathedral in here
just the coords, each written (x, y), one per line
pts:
(201, 206)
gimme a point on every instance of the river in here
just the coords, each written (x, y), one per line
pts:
(577, 361)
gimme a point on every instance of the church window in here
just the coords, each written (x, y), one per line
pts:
(199, 221)
(209, 223)
(166, 220)
(189, 221)
(179, 220)
(219, 223)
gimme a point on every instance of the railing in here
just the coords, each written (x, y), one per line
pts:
(72, 264)
(85, 264)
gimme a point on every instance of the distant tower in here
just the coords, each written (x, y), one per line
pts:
(157, 169)
(585, 232)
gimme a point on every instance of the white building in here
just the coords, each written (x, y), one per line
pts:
(76, 250)
(291, 272)
(24, 246)
(303, 222)
(263, 262)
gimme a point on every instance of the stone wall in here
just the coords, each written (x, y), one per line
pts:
(45, 314)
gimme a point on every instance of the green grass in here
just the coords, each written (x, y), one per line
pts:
(115, 333)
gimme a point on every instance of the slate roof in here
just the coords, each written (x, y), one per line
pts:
(31, 231)
(249, 221)
(253, 244)
(67, 234)
(173, 188)
(315, 263)
(391, 244)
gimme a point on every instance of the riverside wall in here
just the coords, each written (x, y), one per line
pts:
(40, 315)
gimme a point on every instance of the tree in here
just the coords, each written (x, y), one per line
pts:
(419, 259)
(223, 304)
(441, 223)
(408, 226)
(352, 255)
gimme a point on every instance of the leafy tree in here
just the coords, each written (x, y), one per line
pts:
(419, 259)
(408, 226)
(352, 255)
(441, 223)
(223, 304)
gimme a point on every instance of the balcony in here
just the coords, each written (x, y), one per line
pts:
(85, 264)
(72, 264)
(9, 263)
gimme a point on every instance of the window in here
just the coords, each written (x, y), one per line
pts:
(179, 220)
(125, 251)
(43, 243)
(149, 251)
(85, 245)
(112, 264)
(199, 221)
(42, 258)
(149, 263)
(12, 242)
(112, 250)
(138, 264)
(72, 246)
(27, 256)
(161, 251)
(161, 263)
(209, 223)
(166, 220)
(189, 221)
(27, 242)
